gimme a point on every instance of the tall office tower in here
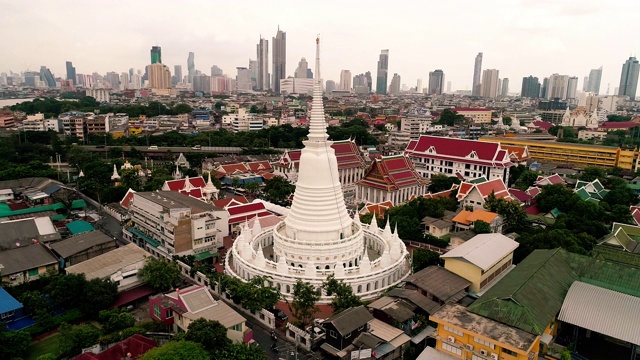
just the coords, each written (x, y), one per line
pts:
(499, 87)
(436, 82)
(71, 72)
(302, 70)
(489, 83)
(113, 79)
(557, 87)
(202, 83)
(177, 75)
(477, 71)
(309, 74)
(419, 86)
(394, 87)
(159, 76)
(345, 80)
(504, 92)
(216, 71)
(136, 81)
(383, 69)
(367, 75)
(131, 72)
(124, 81)
(47, 77)
(191, 67)
(629, 78)
(156, 55)
(593, 85)
(544, 88)
(253, 68)
(279, 43)
(530, 87)
(572, 87)
(243, 79)
(263, 64)
(585, 84)
(330, 86)
(359, 80)
(448, 87)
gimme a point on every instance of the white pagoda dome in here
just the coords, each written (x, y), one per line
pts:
(318, 238)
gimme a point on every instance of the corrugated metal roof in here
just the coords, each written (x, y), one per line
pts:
(439, 282)
(605, 311)
(483, 250)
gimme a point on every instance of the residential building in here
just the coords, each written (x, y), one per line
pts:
(201, 83)
(383, 69)
(330, 86)
(295, 85)
(101, 95)
(436, 82)
(593, 82)
(438, 284)
(181, 307)
(26, 263)
(489, 85)
(169, 223)
(394, 87)
(85, 246)
(302, 69)
(7, 120)
(477, 72)
(572, 87)
(467, 159)
(262, 50)
(475, 193)
(557, 87)
(436, 227)
(159, 76)
(530, 87)
(481, 259)
(156, 55)
(133, 347)
(177, 75)
(279, 43)
(216, 71)
(120, 265)
(629, 78)
(242, 120)
(10, 309)
(73, 124)
(345, 80)
(504, 91)
(342, 329)
(465, 220)
(477, 115)
(71, 72)
(390, 178)
(98, 124)
(243, 80)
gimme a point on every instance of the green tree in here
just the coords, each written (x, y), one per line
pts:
(621, 214)
(33, 302)
(343, 296)
(115, 320)
(422, 258)
(507, 120)
(278, 189)
(305, 297)
(591, 173)
(526, 179)
(73, 338)
(177, 350)
(481, 227)
(209, 333)
(515, 219)
(450, 118)
(618, 118)
(47, 356)
(159, 274)
(441, 182)
(556, 196)
(259, 295)
(182, 108)
(98, 294)
(67, 290)
(242, 352)
(14, 344)
(252, 187)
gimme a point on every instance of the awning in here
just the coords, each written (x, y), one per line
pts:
(144, 237)
(423, 335)
(205, 255)
(546, 339)
(131, 295)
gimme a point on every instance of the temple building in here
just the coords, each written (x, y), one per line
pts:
(580, 118)
(318, 238)
(390, 178)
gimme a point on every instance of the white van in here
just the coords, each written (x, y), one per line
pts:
(153, 147)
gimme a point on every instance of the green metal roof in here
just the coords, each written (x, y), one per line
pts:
(5, 211)
(613, 276)
(531, 295)
(144, 237)
(479, 180)
(79, 227)
(617, 256)
(205, 255)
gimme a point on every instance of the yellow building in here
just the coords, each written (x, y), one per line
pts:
(481, 259)
(579, 154)
(479, 115)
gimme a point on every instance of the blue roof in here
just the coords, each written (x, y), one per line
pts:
(7, 302)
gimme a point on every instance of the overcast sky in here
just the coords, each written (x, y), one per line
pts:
(537, 37)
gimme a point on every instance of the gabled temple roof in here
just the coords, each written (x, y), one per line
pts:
(391, 173)
(347, 154)
(495, 186)
(468, 151)
(178, 185)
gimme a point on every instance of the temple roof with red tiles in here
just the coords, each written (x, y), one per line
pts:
(347, 154)
(391, 173)
(461, 150)
(516, 153)
(495, 186)
(178, 185)
(549, 180)
(226, 202)
(126, 200)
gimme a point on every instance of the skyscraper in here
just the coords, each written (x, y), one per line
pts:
(279, 43)
(177, 74)
(345, 80)
(477, 71)
(71, 72)
(585, 83)
(47, 77)
(191, 67)
(202, 83)
(113, 79)
(243, 79)
(159, 76)
(572, 87)
(394, 87)
(302, 70)
(263, 64)
(489, 83)
(124, 81)
(530, 87)
(448, 87)
(505, 87)
(253, 68)
(419, 86)
(629, 78)
(595, 76)
(330, 86)
(436, 82)
(216, 71)
(367, 75)
(383, 69)
(156, 55)
(557, 87)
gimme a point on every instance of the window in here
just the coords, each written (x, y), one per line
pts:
(236, 327)
(156, 311)
(7, 314)
(451, 349)
(33, 272)
(509, 352)
(452, 330)
(169, 313)
(484, 342)
(347, 336)
(332, 334)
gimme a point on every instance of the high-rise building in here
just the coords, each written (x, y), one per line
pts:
(263, 64)
(159, 76)
(202, 83)
(309, 74)
(113, 79)
(436, 82)
(504, 91)
(47, 77)
(124, 81)
(191, 67)
(330, 86)
(253, 68)
(394, 87)
(177, 74)
(593, 85)
(279, 43)
(216, 71)
(585, 83)
(156, 55)
(243, 79)
(345, 80)
(448, 87)
(629, 78)
(419, 86)
(572, 87)
(544, 89)
(477, 71)
(367, 75)
(557, 87)
(530, 87)
(303, 69)
(489, 83)
(383, 69)
(71, 72)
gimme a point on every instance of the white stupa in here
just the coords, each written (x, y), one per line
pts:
(318, 237)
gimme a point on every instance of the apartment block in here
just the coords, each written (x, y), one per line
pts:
(478, 115)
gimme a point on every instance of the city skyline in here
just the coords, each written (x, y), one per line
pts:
(527, 44)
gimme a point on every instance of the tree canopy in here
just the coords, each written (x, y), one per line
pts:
(209, 333)
(177, 350)
(253, 295)
(343, 296)
(159, 274)
(73, 338)
(422, 258)
(278, 189)
(305, 297)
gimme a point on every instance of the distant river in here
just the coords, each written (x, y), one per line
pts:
(11, 102)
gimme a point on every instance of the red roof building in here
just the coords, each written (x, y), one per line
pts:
(517, 154)
(379, 209)
(475, 195)
(549, 180)
(390, 178)
(466, 159)
(130, 348)
(188, 186)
